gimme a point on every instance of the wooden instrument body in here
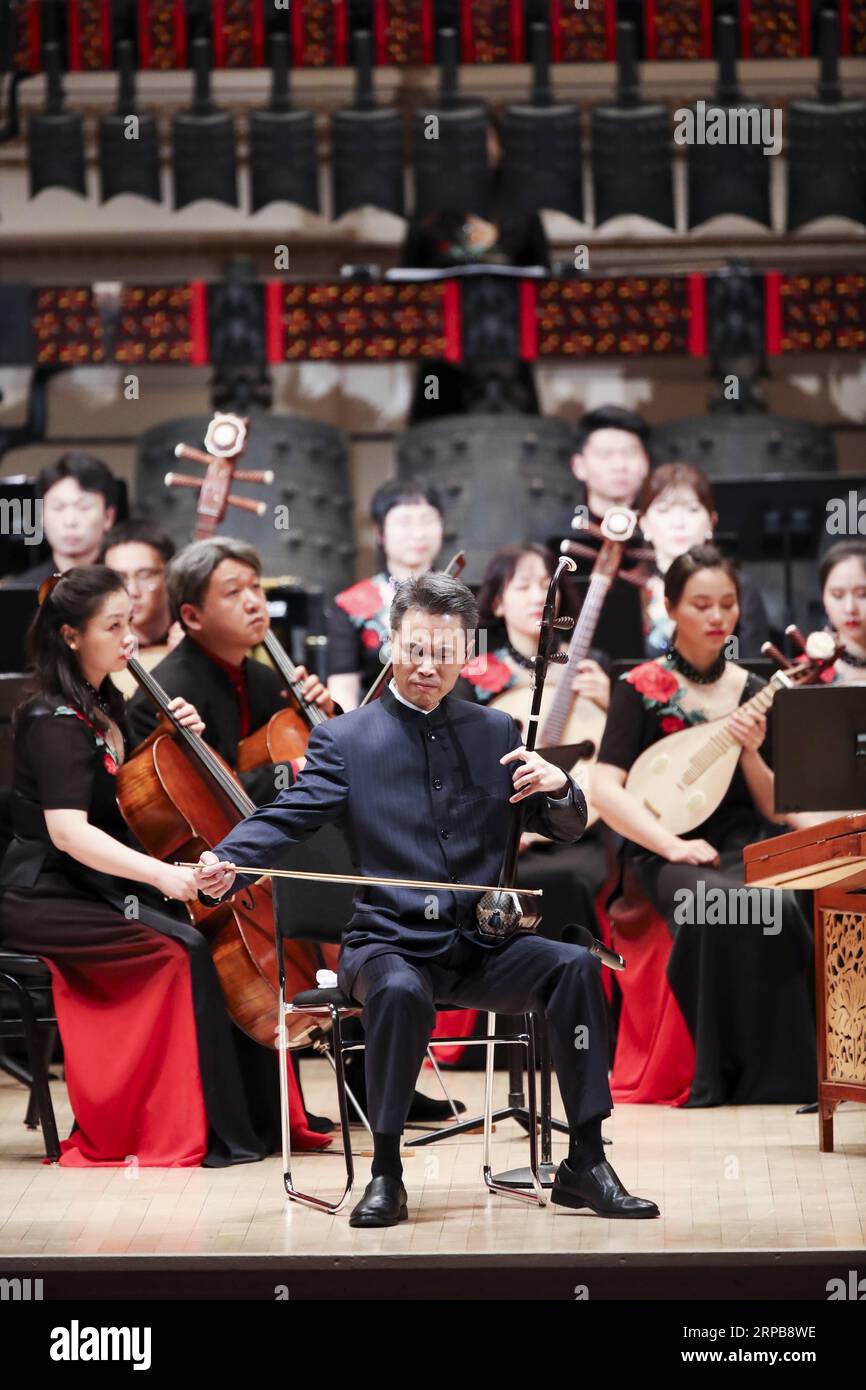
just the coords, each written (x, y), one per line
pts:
(284, 737)
(833, 852)
(667, 781)
(683, 777)
(177, 808)
(172, 806)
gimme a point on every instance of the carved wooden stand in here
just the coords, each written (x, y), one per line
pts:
(831, 859)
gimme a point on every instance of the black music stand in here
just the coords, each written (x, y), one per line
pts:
(18, 608)
(819, 748)
(778, 516)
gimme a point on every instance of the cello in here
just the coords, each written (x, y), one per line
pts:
(179, 798)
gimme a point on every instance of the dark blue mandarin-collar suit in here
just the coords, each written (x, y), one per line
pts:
(424, 796)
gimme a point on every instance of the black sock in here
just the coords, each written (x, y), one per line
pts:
(386, 1156)
(585, 1148)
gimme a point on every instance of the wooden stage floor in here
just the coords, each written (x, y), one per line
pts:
(745, 1196)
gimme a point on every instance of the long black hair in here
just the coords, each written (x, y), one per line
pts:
(56, 670)
(498, 575)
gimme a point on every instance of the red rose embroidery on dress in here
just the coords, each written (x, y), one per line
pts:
(653, 682)
(361, 601)
(488, 673)
(671, 724)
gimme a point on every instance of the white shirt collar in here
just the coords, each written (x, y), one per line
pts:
(408, 703)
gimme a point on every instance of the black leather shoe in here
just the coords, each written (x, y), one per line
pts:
(600, 1189)
(383, 1204)
(426, 1110)
(319, 1124)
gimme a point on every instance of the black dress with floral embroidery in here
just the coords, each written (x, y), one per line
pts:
(358, 629)
(156, 1071)
(745, 988)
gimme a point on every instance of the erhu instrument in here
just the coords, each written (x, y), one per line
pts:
(503, 911)
(567, 718)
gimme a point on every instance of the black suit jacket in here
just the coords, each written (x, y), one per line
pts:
(418, 796)
(189, 671)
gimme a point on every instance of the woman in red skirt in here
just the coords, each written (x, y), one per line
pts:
(157, 1073)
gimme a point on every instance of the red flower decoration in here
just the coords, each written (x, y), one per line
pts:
(488, 673)
(361, 601)
(653, 681)
(671, 724)
(827, 676)
(370, 638)
(110, 764)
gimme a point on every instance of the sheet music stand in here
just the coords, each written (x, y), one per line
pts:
(778, 516)
(819, 748)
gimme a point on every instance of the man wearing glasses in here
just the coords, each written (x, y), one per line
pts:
(139, 552)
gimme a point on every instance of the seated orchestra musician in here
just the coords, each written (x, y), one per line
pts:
(407, 516)
(743, 989)
(139, 552)
(79, 504)
(157, 1074)
(423, 783)
(610, 464)
(843, 593)
(215, 592)
(842, 579)
(510, 605)
(677, 510)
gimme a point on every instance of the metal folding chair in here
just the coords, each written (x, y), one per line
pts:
(331, 1006)
(25, 982)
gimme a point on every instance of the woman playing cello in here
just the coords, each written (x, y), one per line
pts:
(155, 1070)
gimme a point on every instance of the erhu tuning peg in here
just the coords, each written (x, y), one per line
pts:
(768, 649)
(793, 633)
